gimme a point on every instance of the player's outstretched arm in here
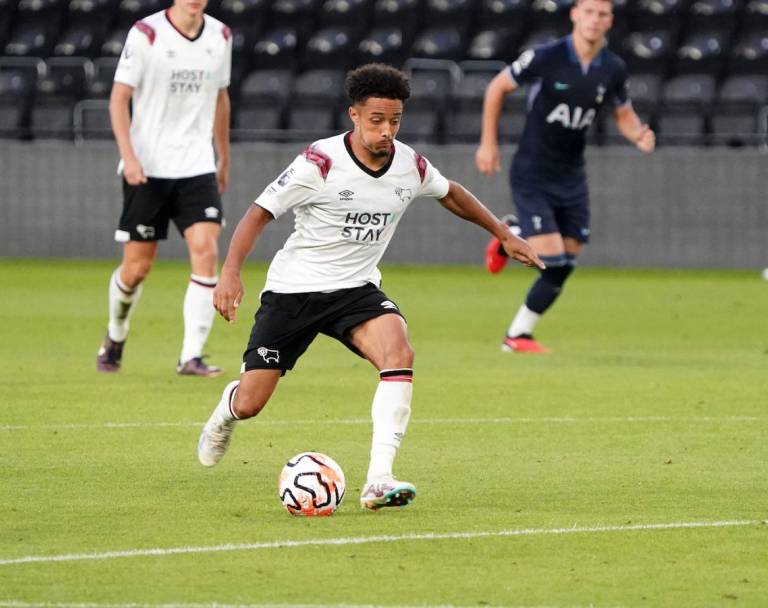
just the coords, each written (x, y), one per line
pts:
(487, 155)
(633, 129)
(229, 291)
(463, 203)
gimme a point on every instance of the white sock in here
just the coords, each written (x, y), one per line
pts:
(224, 411)
(524, 322)
(198, 316)
(122, 301)
(390, 411)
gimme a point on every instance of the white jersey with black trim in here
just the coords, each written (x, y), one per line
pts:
(175, 81)
(345, 214)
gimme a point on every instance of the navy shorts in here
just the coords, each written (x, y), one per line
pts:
(148, 208)
(552, 205)
(287, 323)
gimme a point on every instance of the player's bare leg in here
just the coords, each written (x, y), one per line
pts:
(202, 242)
(241, 399)
(125, 286)
(384, 342)
(559, 254)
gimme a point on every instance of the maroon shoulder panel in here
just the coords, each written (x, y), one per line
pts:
(421, 165)
(147, 30)
(226, 32)
(322, 161)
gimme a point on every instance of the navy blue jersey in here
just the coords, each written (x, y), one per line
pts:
(563, 100)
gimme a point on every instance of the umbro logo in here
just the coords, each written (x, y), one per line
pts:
(346, 195)
(562, 86)
(389, 304)
(170, 54)
(211, 213)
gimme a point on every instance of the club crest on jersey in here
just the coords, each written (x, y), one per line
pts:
(600, 93)
(576, 119)
(404, 194)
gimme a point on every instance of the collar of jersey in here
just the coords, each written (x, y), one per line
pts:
(368, 170)
(596, 62)
(173, 25)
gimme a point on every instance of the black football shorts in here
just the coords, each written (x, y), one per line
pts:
(147, 208)
(287, 323)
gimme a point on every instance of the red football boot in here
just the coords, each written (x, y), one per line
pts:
(495, 256)
(523, 344)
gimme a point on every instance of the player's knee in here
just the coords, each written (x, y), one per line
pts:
(400, 357)
(248, 403)
(135, 271)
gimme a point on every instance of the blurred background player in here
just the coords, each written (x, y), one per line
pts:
(175, 70)
(348, 194)
(571, 79)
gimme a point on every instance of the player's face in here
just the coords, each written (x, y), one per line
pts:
(592, 19)
(377, 121)
(191, 7)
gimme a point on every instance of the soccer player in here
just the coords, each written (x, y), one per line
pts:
(175, 71)
(571, 79)
(348, 194)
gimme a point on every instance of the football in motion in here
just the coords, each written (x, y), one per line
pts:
(311, 484)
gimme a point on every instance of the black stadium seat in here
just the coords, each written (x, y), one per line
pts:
(100, 84)
(331, 47)
(550, 13)
(91, 120)
(131, 11)
(18, 79)
(251, 14)
(449, 12)
(63, 85)
(383, 44)
(749, 53)
(396, 12)
(276, 48)
(721, 14)
(503, 13)
(739, 105)
(685, 103)
(464, 114)
(649, 50)
(495, 43)
(31, 40)
(114, 42)
(355, 13)
(444, 42)
(315, 100)
(702, 51)
(262, 99)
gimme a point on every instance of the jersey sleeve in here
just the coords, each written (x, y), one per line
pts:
(226, 68)
(527, 68)
(295, 186)
(130, 67)
(433, 184)
(619, 92)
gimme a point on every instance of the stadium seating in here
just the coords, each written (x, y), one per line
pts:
(698, 67)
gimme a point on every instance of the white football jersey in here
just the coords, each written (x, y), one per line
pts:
(175, 81)
(345, 214)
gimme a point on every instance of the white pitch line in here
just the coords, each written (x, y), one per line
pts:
(15, 604)
(356, 421)
(364, 540)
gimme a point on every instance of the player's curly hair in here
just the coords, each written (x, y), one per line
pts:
(376, 80)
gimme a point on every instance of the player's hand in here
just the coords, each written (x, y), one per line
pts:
(647, 140)
(228, 295)
(487, 159)
(133, 172)
(222, 175)
(521, 250)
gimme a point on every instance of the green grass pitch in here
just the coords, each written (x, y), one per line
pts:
(627, 469)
